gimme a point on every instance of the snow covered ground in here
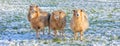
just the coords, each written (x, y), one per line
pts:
(104, 19)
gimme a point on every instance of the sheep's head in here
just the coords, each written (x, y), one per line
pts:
(78, 14)
(33, 10)
(58, 15)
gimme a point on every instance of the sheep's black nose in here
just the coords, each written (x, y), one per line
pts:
(77, 14)
(56, 17)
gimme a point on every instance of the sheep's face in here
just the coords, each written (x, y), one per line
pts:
(58, 15)
(33, 10)
(77, 13)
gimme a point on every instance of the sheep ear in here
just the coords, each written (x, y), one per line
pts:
(73, 11)
(81, 10)
(60, 12)
(30, 6)
(36, 5)
(52, 13)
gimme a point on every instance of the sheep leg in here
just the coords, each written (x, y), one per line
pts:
(62, 31)
(49, 31)
(81, 35)
(75, 35)
(55, 33)
(43, 31)
(37, 34)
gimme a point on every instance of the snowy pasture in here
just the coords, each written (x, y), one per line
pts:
(104, 19)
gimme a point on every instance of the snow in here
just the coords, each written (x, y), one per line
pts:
(103, 16)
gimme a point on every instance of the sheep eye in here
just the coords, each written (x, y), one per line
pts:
(35, 11)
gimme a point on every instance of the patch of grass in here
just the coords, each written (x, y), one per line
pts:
(17, 16)
(8, 21)
(57, 40)
(64, 39)
(76, 44)
(22, 32)
(45, 42)
(47, 4)
(118, 37)
(115, 10)
(94, 22)
(101, 10)
(72, 39)
(15, 27)
(108, 21)
(109, 15)
(96, 40)
(87, 41)
(111, 38)
(94, 17)
(2, 29)
(93, 10)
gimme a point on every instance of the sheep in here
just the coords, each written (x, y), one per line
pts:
(58, 21)
(38, 19)
(79, 23)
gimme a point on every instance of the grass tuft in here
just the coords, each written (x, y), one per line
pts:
(45, 42)
(57, 40)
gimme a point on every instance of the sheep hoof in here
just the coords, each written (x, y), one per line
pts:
(43, 34)
(48, 33)
(81, 40)
(38, 38)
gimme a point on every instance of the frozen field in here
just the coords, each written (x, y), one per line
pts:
(104, 19)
